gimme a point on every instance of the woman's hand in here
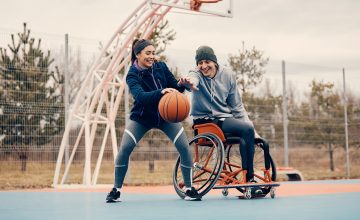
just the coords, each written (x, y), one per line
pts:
(167, 90)
(188, 83)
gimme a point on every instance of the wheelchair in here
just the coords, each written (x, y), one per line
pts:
(217, 165)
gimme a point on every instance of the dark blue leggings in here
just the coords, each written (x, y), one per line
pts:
(245, 130)
(133, 134)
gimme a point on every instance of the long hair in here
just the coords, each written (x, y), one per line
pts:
(133, 55)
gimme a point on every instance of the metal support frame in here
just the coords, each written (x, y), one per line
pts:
(103, 88)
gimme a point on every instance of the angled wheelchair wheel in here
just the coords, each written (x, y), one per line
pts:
(207, 152)
(262, 162)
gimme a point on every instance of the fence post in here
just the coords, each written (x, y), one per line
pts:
(346, 129)
(285, 118)
(66, 93)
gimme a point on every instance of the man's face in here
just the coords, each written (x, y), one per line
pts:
(207, 68)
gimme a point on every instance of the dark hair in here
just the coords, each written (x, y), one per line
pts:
(137, 46)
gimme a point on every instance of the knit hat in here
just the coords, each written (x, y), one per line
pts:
(205, 53)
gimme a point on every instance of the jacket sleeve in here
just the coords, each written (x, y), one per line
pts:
(141, 96)
(170, 78)
(235, 103)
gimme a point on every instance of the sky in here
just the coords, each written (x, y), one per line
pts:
(316, 38)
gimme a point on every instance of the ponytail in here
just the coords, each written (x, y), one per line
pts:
(133, 55)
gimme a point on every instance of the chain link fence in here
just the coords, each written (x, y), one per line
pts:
(33, 113)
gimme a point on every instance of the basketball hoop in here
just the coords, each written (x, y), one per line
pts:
(222, 8)
(196, 4)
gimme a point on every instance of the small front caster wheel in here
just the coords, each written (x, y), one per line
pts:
(272, 192)
(225, 192)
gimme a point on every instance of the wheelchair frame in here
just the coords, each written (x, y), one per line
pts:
(217, 165)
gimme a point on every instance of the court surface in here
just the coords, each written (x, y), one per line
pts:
(335, 199)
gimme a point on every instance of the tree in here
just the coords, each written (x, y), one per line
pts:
(78, 66)
(353, 110)
(249, 67)
(264, 111)
(30, 99)
(161, 37)
(327, 123)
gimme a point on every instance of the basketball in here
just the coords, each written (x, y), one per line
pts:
(174, 107)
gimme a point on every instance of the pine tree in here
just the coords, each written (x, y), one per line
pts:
(31, 102)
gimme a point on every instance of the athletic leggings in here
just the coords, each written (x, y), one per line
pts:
(133, 134)
(244, 130)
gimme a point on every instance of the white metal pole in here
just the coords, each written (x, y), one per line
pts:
(66, 93)
(346, 128)
(285, 118)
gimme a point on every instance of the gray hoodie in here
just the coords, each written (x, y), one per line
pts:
(217, 97)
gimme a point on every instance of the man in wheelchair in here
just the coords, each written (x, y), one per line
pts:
(216, 99)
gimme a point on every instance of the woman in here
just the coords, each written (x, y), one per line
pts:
(215, 98)
(148, 81)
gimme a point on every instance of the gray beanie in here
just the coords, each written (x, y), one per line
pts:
(205, 53)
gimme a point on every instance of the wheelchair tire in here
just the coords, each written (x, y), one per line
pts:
(208, 159)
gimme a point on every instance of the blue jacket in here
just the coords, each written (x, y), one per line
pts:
(145, 86)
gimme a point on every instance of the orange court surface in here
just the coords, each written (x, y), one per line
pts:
(286, 188)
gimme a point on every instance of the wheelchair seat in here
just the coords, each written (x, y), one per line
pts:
(213, 128)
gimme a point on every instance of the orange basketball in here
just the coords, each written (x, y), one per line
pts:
(174, 107)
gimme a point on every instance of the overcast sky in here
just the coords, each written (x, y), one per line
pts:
(317, 38)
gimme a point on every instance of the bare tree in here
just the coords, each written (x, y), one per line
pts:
(248, 66)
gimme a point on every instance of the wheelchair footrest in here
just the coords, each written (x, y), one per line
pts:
(272, 184)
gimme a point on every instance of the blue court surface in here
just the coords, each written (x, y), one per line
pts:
(91, 205)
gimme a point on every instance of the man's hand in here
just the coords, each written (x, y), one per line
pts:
(188, 83)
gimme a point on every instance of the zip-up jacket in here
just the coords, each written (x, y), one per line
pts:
(145, 86)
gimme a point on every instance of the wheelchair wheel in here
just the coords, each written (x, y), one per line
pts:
(207, 152)
(262, 161)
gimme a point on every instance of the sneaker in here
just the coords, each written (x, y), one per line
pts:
(252, 180)
(255, 190)
(192, 195)
(113, 196)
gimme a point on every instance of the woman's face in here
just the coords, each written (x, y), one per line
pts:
(207, 68)
(146, 57)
